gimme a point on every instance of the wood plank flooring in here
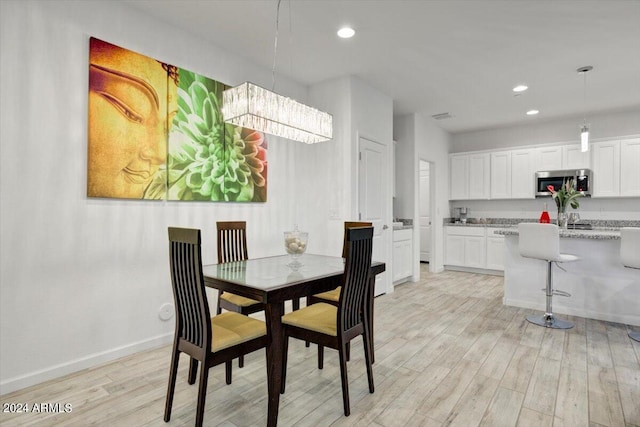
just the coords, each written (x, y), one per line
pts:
(448, 353)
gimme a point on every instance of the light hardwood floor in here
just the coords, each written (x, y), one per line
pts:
(448, 353)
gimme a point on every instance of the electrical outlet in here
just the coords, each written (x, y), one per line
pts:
(166, 311)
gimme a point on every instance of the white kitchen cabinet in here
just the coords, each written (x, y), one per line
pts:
(495, 250)
(465, 246)
(469, 176)
(561, 157)
(454, 250)
(501, 175)
(459, 177)
(549, 158)
(630, 167)
(474, 251)
(522, 174)
(606, 169)
(479, 176)
(574, 158)
(402, 255)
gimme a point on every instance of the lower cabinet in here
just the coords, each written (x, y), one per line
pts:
(495, 252)
(474, 247)
(402, 255)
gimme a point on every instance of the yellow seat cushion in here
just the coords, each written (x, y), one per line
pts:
(229, 329)
(333, 295)
(238, 300)
(320, 317)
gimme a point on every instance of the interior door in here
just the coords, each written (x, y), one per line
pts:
(373, 203)
(425, 219)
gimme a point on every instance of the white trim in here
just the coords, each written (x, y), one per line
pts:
(584, 313)
(56, 371)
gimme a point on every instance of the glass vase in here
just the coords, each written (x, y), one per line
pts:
(562, 219)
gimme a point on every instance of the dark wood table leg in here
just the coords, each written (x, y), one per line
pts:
(274, 314)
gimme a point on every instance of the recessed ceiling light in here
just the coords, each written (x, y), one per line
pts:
(520, 88)
(346, 32)
(532, 112)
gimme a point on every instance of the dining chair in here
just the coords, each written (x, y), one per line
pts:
(334, 327)
(232, 246)
(208, 340)
(333, 296)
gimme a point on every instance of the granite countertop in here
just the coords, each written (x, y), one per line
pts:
(491, 225)
(402, 227)
(402, 224)
(595, 234)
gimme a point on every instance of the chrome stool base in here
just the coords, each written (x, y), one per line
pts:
(634, 336)
(549, 322)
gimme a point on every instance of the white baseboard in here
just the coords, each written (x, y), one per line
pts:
(475, 270)
(12, 384)
(570, 311)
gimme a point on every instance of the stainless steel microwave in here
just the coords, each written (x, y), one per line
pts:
(582, 181)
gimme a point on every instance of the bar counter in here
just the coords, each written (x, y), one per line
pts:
(601, 287)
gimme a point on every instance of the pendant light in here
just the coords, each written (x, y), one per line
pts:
(584, 129)
(251, 106)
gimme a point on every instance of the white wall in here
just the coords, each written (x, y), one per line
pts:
(82, 279)
(539, 131)
(420, 138)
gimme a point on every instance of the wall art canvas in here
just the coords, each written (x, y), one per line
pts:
(156, 132)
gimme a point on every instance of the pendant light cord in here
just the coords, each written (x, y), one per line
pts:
(584, 101)
(275, 49)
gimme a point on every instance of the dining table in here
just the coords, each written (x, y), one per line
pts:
(274, 280)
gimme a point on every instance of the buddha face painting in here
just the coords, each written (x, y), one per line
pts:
(132, 101)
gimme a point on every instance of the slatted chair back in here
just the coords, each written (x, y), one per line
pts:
(232, 241)
(348, 225)
(193, 320)
(356, 278)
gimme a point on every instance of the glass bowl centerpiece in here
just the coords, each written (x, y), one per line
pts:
(295, 243)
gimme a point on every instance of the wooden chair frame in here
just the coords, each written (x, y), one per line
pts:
(313, 299)
(350, 320)
(193, 332)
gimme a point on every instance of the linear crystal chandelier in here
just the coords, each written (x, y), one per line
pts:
(257, 108)
(254, 107)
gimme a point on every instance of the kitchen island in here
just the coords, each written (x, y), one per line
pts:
(600, 286)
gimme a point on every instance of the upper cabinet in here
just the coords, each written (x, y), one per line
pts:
(479, 176)
(630, 167)
(501, 175)
(616, 168)
(523, 174)
(469, 176)
(549, 158)
(458, 177)
(574, 158)
(559, 157)
(606, 169)
(510, 174)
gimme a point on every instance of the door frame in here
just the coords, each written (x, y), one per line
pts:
(432, 192)
(387, 237)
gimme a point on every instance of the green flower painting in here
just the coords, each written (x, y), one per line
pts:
(208, 159)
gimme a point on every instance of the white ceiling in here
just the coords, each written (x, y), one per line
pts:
(457, 56)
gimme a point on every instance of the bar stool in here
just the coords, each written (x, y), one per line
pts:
(630, 255)
(542, 241)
